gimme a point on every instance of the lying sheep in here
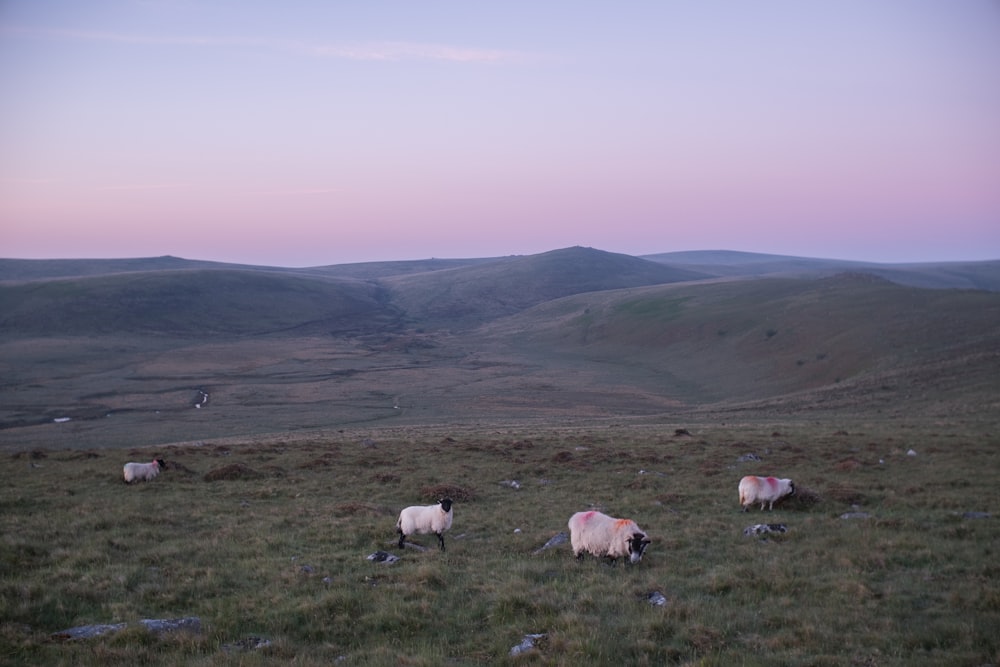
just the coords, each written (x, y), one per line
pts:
(764, 490)
(424, 519)
(142, 472)
(605, 536)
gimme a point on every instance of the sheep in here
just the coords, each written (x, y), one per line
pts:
(425, 519)
(764, 490)
(142, 472)
(602, 535)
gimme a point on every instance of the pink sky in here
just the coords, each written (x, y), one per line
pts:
(332, 133)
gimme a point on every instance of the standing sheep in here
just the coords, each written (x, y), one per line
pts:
(764, 490)
(425, 519)
(602, 535)
(142, 472)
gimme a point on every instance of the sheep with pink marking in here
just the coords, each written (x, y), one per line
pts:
(764, 490)
(604, 536)
(142, 472)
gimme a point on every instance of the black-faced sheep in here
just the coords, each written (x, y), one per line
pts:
(604, 536)
(764, 490)
(142, 472)
(425, 519)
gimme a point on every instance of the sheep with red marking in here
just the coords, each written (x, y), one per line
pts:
(604, 536)
(142, 472)
(425, 519)
(764, 490)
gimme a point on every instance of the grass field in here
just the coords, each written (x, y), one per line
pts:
(299, 412)
(274, 553)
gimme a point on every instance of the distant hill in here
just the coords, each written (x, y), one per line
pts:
(686, 265)
(469, 295)
(192, 302)
(378, 270)
(570, 334)
(934, 275)
(39, 269)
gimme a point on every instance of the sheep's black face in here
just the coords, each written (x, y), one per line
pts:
(791, 488)
(161, 463)
(446, 504)
(637, 546)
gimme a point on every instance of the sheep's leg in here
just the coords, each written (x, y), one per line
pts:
(440, 540)
(401, 538)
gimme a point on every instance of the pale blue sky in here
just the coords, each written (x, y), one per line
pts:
(311, 133)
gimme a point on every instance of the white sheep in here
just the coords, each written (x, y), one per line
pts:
(764, 490)
(142, 472)
(605, 536)
(425, 519)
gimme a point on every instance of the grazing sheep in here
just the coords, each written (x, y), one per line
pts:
(602, 535)
(142, 472)
(425, 519)
(764, 490)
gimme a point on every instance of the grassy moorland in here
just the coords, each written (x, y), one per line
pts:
(299, 411)
(276, 548)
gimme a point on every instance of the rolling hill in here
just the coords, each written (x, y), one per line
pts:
(935, 275)
(747, 340)
(193, 303)
(467, 296)
(573, 334)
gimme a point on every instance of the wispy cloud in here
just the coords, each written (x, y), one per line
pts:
(391, 51)
(295, 192)
(142, 186)
(371, 51)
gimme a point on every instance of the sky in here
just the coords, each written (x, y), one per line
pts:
(322, 132)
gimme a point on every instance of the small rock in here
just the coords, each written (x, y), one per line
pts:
(911, 452)
(88, 631)
(657, 599)
(556, 540)
(748, 458)
(383, 557)
(764, 528)
(512, 483)
(527, 644)
(855, 515)
(161, 625)
(517, 531)
(976, 515)
(247, 644)
(307, 569)
(154, 625)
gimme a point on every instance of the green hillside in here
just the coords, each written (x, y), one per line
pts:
(568, 336)
(191, 303)
(750, 339)
(469, 295)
